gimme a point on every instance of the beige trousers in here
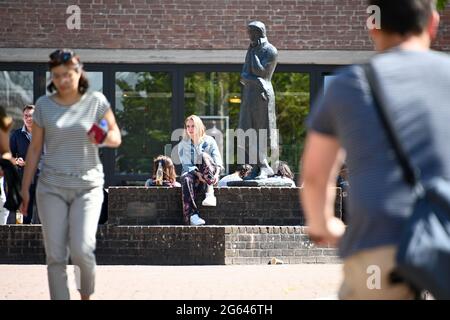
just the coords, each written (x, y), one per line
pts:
(367, 277)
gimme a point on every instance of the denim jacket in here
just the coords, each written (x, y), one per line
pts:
(188, 153)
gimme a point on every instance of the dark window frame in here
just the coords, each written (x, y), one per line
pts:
(177, 71)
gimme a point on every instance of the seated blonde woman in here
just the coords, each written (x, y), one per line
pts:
(169, 175)
(202, 164)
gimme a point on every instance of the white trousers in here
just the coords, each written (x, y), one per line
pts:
(69, 224)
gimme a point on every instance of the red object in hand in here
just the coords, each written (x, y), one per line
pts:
(99, 133)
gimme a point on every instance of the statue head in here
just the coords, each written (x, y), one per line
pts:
(256, 30)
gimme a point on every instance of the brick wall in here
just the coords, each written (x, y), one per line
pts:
(258, 244)
(177, 245)
(252, 226)
(235, 206)
(21, 244)
(160, 245)
(191, 24)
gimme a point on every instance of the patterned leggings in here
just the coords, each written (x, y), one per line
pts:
(191, 186)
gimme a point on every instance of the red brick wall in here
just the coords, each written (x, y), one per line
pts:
(191, 24)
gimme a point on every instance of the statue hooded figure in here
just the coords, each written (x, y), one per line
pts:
(258, 102)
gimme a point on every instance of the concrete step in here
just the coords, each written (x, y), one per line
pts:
(177, 245)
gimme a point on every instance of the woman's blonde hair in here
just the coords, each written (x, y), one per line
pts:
(169, 173)
(200, 128)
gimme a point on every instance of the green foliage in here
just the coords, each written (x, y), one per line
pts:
(292, 105)
(209, 94)
(143, 109)
(145, 119)
(441, 4)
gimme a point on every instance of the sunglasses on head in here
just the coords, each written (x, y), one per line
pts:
(61, 55)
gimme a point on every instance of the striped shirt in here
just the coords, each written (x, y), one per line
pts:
(71, 160)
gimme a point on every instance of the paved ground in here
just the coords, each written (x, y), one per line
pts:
(306, 281)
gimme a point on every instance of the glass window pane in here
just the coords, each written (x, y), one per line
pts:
(327, 80)
(95, 81)
(16, 90)
(213, 94)
(218, 94)
(143, 112)
(292, 99)
(215, 97)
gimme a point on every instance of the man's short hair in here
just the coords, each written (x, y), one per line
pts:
(28, 107)
(404, 16)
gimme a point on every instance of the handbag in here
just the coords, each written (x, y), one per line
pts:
(13, 183)
(423, 256)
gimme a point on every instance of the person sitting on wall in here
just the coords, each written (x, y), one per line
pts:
(202, 163)
(241, 172)
(342, 182)
(282, 175)
(169, 177)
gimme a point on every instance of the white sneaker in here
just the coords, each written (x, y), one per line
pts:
(210, 200)
(196, 220)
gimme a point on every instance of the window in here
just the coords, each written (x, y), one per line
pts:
(215, 97)
(16, 90)
(95, 81)
(213, 94)
(143, 112)
(292, 98)
(327, 79)
(218, 94)
(151, 102)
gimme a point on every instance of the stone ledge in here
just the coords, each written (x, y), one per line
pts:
(274, 206)
(186, 56)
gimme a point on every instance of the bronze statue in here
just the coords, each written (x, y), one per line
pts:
(258, 98)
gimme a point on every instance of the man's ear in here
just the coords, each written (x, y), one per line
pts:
(375, 35)
(433, 25)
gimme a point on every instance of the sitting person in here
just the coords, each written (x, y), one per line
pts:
(169, 175)
(283, 174)
(342, 183)
(3, 211)
(241, 172)
(202, 164)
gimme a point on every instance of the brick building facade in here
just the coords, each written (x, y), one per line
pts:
(193, 52)
(192, 24)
